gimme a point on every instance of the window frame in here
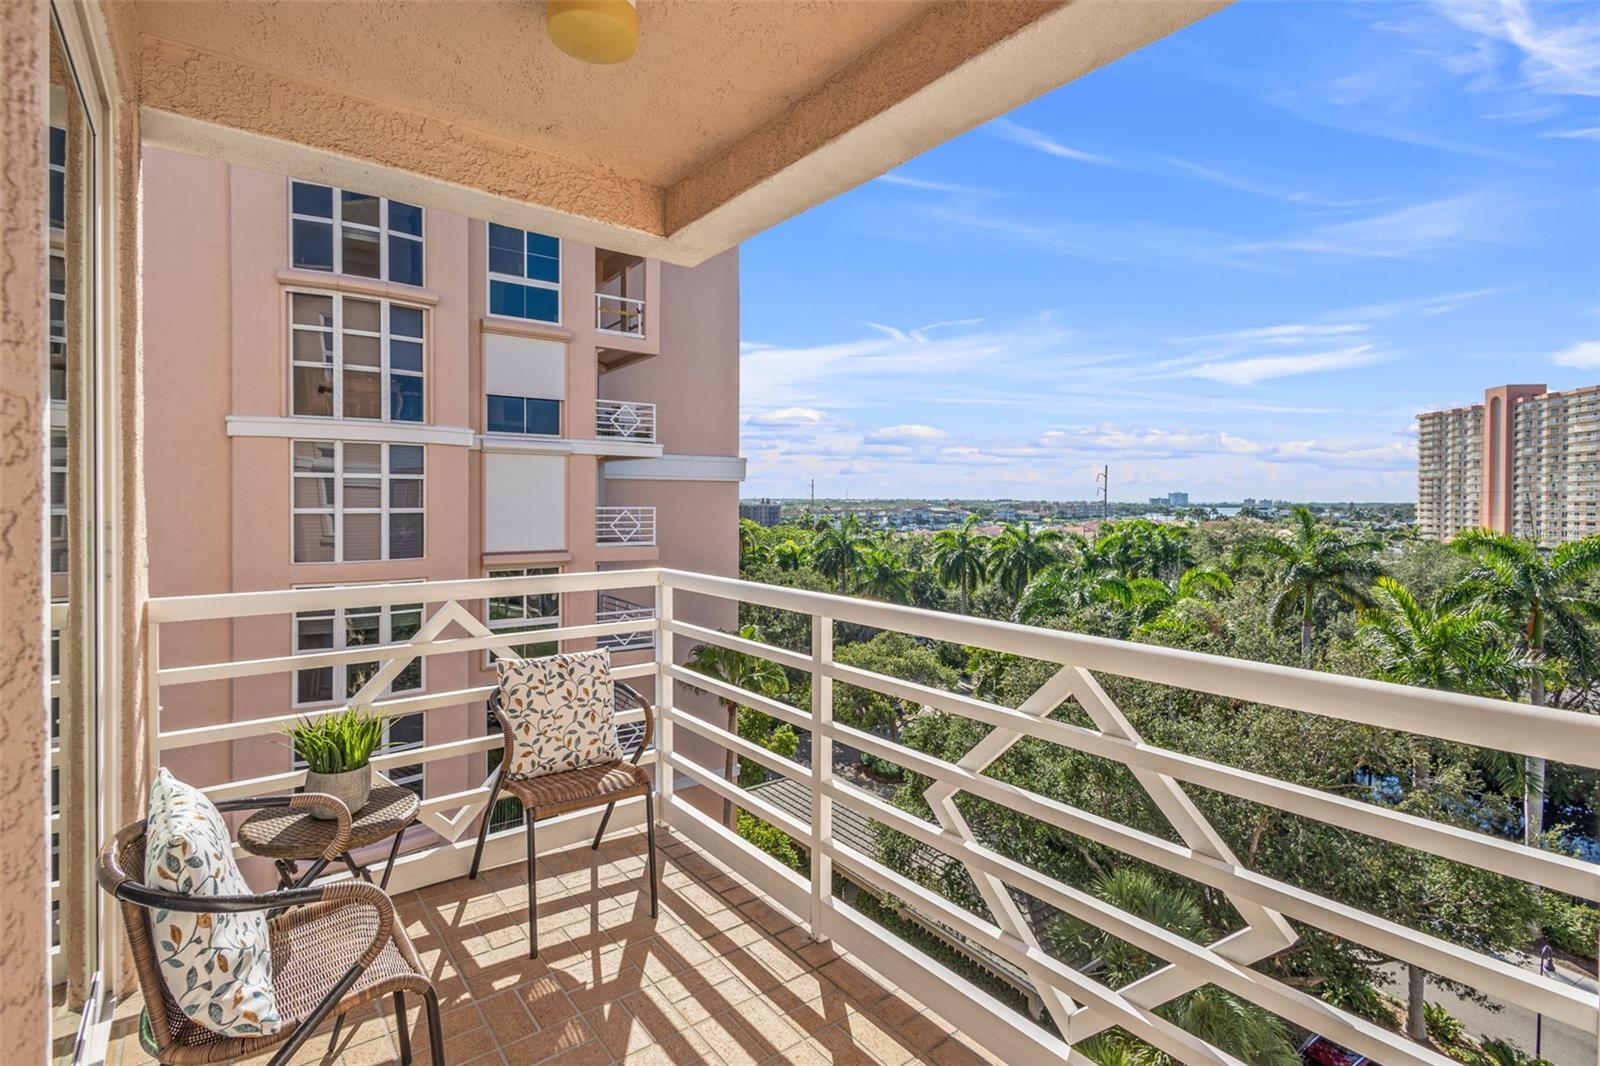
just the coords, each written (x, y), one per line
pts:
(383, 229)
(524, 621)
(525, 400)
(385, 369)
(491, 276)
(340, 673)
(339, 510)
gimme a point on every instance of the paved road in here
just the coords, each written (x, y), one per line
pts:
(1563, 1044)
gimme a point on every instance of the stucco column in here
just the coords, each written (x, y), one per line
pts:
(24, 506)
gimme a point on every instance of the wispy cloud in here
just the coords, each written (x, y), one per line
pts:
(1397, 234)
(1255, 370)
(1582, 133)
(910, 431)
(1556, 51)
(789, 416)
(1585, 355)
(906, 181)
(1256, 186)
(1039, 141)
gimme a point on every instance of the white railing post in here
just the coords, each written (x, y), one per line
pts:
(152, 688)
(821, 773)
(664, 687)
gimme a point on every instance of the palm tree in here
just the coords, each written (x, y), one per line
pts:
(884, 575)
(958, 558)
(1545, 597)
(836, 551)
(1172, 608)
(1215, 1016)
(1019, 553)
(1070, 587)
(1318, 561)
(749, 672)
(789, 555)
(1431, 647)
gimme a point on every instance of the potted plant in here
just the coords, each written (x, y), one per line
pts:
(337, 750)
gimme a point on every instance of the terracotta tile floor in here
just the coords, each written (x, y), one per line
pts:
(719, 978)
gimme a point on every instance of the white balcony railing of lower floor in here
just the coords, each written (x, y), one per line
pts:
(624, 526)
(617, 609)
(628, 420)
(1272, 913)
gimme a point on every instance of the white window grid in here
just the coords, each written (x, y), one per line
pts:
(58, 501)
(58, 328)
(395, 623)
(336, 508)
(519, 279)
(340, 224)
(335, 331)
(528, 616)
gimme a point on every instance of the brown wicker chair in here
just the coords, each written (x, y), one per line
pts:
(604, 784)
(335, 947)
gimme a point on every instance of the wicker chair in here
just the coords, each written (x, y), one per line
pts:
(335, 947)
(603, 784)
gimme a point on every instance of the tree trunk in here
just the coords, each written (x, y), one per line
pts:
(1416, 986)
(730, 772)
(964, 594)
(1533, 787)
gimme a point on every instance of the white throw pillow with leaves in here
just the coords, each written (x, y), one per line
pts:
(218, 967)
(562, 711)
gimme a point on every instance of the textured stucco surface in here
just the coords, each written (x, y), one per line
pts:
(24, 994)
(227, 92)
(939, 39)
(705, 74)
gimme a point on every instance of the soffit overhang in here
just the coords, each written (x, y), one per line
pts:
(730, 118)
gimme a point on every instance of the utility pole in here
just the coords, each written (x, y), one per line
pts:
(1103, 479)
(813, 494)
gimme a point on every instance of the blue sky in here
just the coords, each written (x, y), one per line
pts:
(1237, 262)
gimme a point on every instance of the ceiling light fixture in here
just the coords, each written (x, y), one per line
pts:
(595, 31)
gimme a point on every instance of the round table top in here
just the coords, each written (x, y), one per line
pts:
(282, 833)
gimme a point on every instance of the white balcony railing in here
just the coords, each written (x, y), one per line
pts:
(615, 526)
(625, 420)
(1078, 1005)
(616, 609)
(618, 314)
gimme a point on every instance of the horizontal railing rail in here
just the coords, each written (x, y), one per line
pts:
(1078, 1005)
(625, 420)
(618, 314)
(625, 525)
(449, 608)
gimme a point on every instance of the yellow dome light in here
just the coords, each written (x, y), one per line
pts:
(595, 31)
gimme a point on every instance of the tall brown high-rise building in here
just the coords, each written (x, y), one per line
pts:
(1526, 461)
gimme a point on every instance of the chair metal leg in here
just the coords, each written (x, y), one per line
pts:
(604, 821)
(483, 830)
(287, 1049)
(533, 892)
(394, 851)
(402, 1029)
(435, 1029)
(333, 1038)
(650, 838)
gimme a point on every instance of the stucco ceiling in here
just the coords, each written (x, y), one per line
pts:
(706, 73)
(731, 117)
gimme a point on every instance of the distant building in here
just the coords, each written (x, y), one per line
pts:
(1158, 501)
(763, 513)
(1526, 461)
(1177, 499)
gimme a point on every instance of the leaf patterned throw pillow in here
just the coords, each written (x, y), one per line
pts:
(218, 967)
(562, 711)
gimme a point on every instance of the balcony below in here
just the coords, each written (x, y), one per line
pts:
(719, 978)
(625, 420)
(624, 527)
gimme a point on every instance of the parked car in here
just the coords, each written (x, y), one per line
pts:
(1320, 1051)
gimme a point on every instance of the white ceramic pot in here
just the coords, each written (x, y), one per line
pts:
(352, 787)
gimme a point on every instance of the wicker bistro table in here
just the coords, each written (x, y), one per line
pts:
(289, 836)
